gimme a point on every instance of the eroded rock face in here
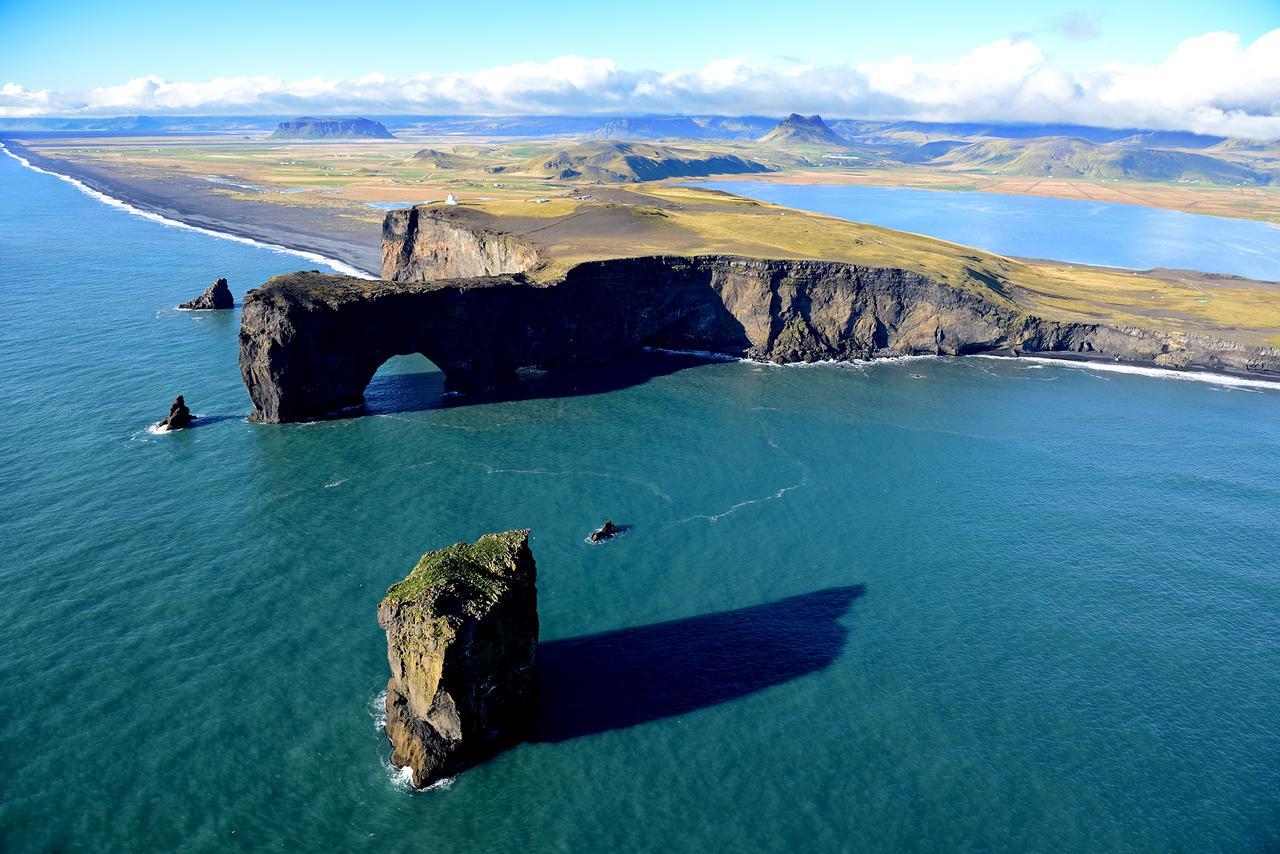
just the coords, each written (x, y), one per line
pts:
(462, 642)
(216, 296)
(179, 416)
(310, 343)
(423, 244)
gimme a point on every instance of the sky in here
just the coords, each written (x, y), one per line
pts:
(1210, 66)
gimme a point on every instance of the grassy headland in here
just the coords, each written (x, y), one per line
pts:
(605, 211)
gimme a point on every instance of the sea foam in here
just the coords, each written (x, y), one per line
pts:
(1141, 370)
(315, 257)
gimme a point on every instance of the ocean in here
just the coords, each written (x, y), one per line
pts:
(927, 604)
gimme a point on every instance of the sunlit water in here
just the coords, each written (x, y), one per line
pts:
(1083, 232)
(932, 604)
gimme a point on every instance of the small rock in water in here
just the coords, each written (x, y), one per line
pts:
(179, 416)
(605, 532)
(216, 296)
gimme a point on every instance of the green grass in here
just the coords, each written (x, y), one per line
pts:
(477, 567)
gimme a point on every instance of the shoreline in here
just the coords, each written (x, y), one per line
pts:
(117, 195)
(1086, 361)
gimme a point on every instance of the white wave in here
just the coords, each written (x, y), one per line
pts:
(402, 778)
(315, 257)
(331, 484)
(1142, 370)
(735, 508)
(701, 354)
(820, 363)
(378, 711)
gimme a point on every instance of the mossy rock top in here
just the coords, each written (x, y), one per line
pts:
(479, 570)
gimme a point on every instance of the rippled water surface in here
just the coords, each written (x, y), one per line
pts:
(933, 604)
(1111, 235)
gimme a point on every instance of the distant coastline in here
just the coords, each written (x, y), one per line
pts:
(117, 194)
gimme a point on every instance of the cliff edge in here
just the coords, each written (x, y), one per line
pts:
(310, 343)
(484, 294)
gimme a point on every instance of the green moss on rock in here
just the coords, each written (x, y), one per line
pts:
(481, 567)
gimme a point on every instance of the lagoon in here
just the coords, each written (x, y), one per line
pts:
(1101, 233)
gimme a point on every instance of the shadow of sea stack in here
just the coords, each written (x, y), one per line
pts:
(216, 296)
(462, 638)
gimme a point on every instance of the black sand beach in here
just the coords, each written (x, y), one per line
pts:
(346, 232)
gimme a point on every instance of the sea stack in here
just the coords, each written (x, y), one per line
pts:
(216, 296)
(462, 641)
(179, 416)
(605, 532)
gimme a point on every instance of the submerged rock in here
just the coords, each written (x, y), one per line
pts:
(216, 296)
(462, 640)
(179, 416)
(606, 531)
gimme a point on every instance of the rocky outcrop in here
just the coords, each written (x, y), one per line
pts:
(216, 296)
(422, 243)
(796, 129)
(607, 531)
(179, 416)
(310, 343)
(462, 641)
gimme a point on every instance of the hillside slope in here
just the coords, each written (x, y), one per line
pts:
(1079, 158)
(625, 162)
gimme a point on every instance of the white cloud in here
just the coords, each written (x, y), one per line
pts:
(1211, 83)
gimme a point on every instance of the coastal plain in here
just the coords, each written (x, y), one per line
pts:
(331, 198)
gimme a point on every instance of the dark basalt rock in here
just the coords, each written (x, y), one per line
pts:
(310, 343)
(606, 531)
(179, 416)
(462, 642)
(216, 296)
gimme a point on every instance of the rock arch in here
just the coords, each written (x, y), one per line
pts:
(310, 343)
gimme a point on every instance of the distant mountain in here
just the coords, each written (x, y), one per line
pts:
(625, 162)
(311, 128)
(679, 127)
(1078, 158)
(1171, 139)
(494, 126)
(684, 127)
(796, 129)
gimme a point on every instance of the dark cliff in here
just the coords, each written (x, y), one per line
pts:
(462, 641)
(310, 343)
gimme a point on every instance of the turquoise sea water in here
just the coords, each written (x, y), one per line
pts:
(1034, 227)
(929, 605)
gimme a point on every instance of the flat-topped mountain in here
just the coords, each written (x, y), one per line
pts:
(629, 162)
(313, 128)
(796, 129)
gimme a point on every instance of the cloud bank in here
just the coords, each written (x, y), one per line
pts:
(1211, 84)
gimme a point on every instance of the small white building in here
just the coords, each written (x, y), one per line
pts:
(451, 199)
